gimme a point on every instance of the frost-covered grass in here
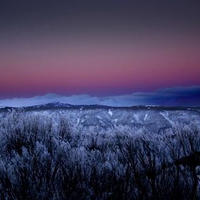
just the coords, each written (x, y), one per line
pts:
(40, 159)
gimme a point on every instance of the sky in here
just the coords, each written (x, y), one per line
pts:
(107, 48)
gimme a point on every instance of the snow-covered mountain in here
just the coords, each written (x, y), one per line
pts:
(155, 119)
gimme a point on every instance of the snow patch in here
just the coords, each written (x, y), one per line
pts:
(145, 117)
(115, 120)
(110, 113)
(166, 116)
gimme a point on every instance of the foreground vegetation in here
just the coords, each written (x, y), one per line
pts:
(41, 159)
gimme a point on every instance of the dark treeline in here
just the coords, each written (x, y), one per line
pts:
(41, 159)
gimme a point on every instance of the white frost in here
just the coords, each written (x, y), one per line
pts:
(110, 112)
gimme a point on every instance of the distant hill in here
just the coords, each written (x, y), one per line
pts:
(58, 105)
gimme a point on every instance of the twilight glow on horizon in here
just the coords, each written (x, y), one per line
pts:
(99, 48)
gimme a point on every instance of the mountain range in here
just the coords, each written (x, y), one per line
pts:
(155, 119)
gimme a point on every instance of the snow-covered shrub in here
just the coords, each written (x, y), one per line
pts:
(44, 158)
